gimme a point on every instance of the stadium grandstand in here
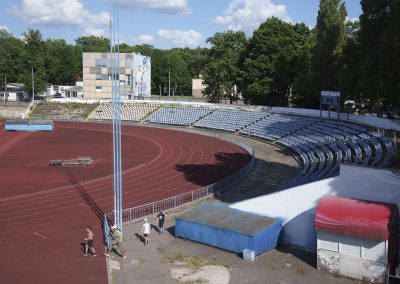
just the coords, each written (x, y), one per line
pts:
(320, 145)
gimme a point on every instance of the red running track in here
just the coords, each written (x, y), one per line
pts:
(44, 210)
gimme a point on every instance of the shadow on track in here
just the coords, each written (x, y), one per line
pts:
(88, 199)
(266, 176)
(225, 164)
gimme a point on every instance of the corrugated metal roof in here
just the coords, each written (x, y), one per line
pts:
(221, 216)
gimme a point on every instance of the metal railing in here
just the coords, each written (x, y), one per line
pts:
(131, 215)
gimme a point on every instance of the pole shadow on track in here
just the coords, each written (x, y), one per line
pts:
(88, 199)
(95, 208)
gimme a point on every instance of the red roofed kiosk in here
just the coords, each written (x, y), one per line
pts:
(357, 238)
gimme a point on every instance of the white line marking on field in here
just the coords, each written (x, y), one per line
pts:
(40, 235)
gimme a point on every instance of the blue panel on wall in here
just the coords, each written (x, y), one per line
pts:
(230, 229)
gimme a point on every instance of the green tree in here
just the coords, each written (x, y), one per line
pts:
(330, 39)
(390, 55)
(302, 94)
(221, 73)
(10, 56)
(62, 62)
(180, 76)
(373, 23)
(275, 63)
(32, 56)
(351, 64)
(93, 44)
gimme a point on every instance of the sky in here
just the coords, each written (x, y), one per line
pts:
(161, 23)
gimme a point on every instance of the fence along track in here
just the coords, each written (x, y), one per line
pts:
(133, 214)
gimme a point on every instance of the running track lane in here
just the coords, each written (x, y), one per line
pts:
(44, 210)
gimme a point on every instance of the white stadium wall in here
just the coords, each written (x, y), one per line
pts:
(297, 206)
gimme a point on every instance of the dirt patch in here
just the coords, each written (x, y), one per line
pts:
(195, 269)
(206, 274)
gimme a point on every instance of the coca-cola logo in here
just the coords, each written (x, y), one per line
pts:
(361, 222)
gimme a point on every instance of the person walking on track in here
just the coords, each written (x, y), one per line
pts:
(89, 242)
(116, 242)
(161, 220)
(146, 231)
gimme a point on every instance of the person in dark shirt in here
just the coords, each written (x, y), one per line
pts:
(161, 220)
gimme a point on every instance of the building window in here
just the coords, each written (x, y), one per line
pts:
(129, 80)
(129, 63)
(98, 89)
(122, 82)
(98, 77)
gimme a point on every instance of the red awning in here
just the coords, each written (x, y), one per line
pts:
(354, 217)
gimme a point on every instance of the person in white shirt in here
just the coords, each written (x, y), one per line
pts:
(146, 232)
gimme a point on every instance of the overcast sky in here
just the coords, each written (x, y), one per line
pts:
(162, 23)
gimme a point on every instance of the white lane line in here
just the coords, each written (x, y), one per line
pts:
(40, 235)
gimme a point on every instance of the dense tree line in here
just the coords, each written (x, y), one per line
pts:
(281, 64)
(286, 64)
(57, 62)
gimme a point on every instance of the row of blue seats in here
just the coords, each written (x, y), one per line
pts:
(230, 119)
(323, 144)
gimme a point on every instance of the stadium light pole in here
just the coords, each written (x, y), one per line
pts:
(169, 81)
(33, 85)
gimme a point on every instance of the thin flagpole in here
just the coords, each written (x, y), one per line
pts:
(115, 107)
(119, 124)
(112, 105)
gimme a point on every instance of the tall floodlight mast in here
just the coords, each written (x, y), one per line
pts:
(116, 112)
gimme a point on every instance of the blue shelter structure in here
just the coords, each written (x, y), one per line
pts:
(229, 229)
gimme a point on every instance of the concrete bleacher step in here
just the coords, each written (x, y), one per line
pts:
(144, 119)
(203, 117)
